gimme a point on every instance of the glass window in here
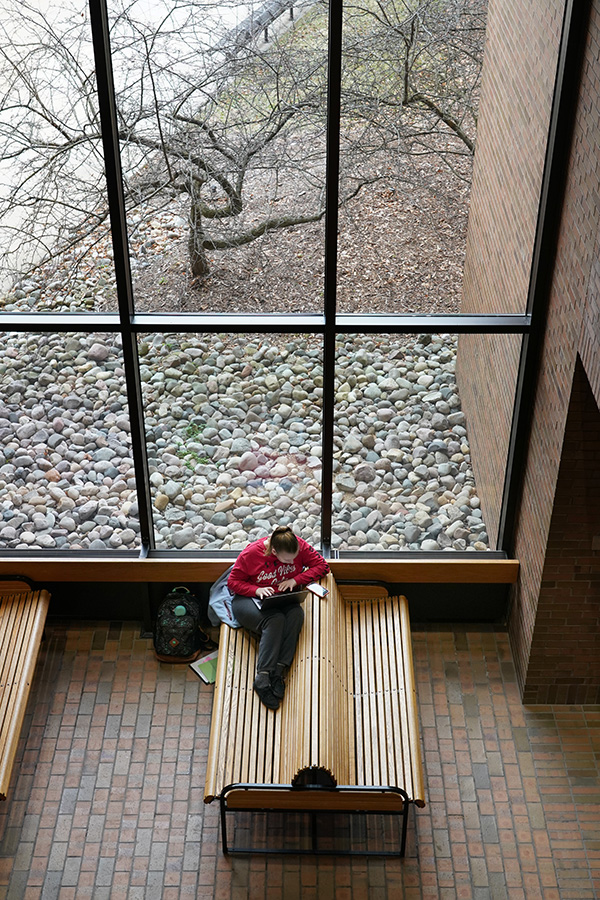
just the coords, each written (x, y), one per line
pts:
(223, 150)
(233, 427)
(410, 90)
(404, 475)
(55, 242)
(66, 470)
(486, 370)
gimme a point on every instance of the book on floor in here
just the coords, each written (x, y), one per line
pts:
(206, 667)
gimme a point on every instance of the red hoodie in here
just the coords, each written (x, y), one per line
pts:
(253, 569)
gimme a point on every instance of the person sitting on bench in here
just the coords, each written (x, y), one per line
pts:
(283, 562)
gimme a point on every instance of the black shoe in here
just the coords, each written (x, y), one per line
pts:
(278, 686)
(278, 681)
(262, 686)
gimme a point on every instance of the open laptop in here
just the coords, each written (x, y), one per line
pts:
(278, 600)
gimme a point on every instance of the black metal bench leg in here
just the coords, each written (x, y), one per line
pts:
(404, 828)
(223, 825)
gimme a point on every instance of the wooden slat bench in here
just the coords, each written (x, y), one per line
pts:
(22, 617)
(345, 738)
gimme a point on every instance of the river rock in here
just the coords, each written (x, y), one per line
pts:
(345, 483)
(365, 472)
(412, 533)
(182, 537)
(161, 501)
(429, 545)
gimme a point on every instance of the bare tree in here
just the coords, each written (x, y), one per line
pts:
(412, 73)
(210, 112)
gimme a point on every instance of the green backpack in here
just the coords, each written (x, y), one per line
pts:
(178, 636)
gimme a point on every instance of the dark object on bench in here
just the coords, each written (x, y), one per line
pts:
(346, 736)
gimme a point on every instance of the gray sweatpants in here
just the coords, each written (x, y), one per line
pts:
(278, 630)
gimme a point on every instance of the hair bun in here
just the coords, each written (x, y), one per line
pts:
(282, 540)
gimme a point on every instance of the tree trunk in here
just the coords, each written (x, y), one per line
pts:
(197, 253)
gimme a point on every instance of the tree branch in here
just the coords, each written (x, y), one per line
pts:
(270, 224)
(444, 117)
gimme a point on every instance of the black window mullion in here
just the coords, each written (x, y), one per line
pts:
(116, 203)
(330, 287)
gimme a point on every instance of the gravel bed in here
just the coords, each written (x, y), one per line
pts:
(234, 443)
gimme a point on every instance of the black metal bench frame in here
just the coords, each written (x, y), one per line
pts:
(314, 812)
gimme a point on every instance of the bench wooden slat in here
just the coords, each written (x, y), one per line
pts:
(355, 681)
(305, 674)
(328, 688)
(313, 720)
(273, 743)
(400, 699)
(293, 712)
(221, 706)
(15, 625)
(360, 693)
(372, 731)
(277, 742)
(418, 789)
(383, 660)
(382, 664)
(224, 687)
(22, 619)
(403, 701)
(246, 742)
(234, 666)
(394, 688)
(338, 702)
(292, 721)
(343, 734)
(379, 768)
(264, 757)
(9, 614)
(342, 730)
(322, 687)
(397, 699)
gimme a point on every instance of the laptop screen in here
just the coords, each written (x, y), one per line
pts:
(281, 599)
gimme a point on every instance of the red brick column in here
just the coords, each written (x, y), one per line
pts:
(564, 663)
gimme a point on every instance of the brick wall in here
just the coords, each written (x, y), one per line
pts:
(519, 71)
(522, 42)
(573, 329)
(564, 662)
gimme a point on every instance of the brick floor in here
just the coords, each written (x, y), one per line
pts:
(106, 798)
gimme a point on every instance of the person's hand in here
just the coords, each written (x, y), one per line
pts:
(287, 585)
(263, 592)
